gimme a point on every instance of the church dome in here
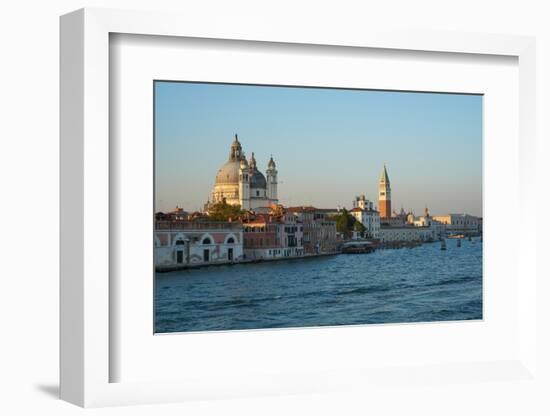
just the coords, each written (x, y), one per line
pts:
(228, 173)
(257, 180)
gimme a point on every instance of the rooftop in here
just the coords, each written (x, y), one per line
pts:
(196, 225)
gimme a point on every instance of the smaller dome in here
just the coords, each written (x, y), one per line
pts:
(257, 180)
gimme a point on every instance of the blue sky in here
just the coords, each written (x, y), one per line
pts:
(329, 144)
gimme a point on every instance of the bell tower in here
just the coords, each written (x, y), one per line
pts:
(271, 176)
(384, 195)
(244, 184)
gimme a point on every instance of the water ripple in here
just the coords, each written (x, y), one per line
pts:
(389, 286)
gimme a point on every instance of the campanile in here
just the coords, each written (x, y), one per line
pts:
(384, 194)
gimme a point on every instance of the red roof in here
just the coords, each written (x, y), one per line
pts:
(262, 219)
(307, 208)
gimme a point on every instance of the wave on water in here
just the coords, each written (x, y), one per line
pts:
(389, 286)
(455, 281)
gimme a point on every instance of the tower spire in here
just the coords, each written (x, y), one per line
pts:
(384, 178)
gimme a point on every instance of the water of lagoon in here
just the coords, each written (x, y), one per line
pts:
(421, 284)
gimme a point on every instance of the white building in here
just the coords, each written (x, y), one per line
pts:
(239, 182)
(362, 202)
(370, 219)
(428, 221)
(406, 234)
(180, 244)
(460, 223)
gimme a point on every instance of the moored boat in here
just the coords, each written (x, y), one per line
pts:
(358, 247)
(460, 236)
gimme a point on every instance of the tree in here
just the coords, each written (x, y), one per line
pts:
(359, 227)
(222, 211)
(345, 222)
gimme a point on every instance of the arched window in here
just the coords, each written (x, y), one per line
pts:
(230, 240)
(207, 241)
(180, 242)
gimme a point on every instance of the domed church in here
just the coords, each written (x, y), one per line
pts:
(240, 182)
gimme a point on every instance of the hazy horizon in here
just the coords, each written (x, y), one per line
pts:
(329, 144)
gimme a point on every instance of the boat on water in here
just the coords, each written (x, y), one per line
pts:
(358, 247)
(460, 236)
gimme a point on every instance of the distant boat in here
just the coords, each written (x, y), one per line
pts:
(443, 245)
(456, 236)
(358, 246)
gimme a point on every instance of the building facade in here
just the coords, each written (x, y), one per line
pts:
(239, 182)
(405, 234)
(179, 244)
(397, 219)
(269, 237)
(369, 217)
(460, 223)
(362, 202)
(427, 220)
(319, 231)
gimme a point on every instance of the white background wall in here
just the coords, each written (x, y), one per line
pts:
(29, 172)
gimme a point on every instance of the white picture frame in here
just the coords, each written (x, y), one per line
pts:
(86, 353)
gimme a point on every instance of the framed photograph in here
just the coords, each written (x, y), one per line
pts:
(296, 247)
(272, 212)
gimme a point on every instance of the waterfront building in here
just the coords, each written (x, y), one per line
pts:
(423, 220)
(329, 212)
(405, 234)
(365, 213)
(427, 220)
(268, 237)
(240, 182)
(182, 243)
(319, 231)
(460, 223)
(397, 220)
(384, 195)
